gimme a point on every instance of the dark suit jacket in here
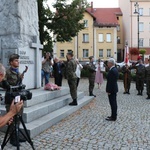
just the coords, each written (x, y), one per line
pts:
(56, 69)
(112, 77)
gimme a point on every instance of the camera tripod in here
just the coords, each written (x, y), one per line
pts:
(16, 130)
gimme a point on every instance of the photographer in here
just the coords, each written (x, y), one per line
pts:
(46, 64)
(14, 109)
(13, 78)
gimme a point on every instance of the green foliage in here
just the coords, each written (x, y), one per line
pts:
(133, 76)
(120, 75)
(142, 51)
(44, 16)
(65, 23)
(85, 72)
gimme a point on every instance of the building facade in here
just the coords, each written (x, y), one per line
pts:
(102, 36)
(136, 31)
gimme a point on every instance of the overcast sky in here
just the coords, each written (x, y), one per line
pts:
(96, 3)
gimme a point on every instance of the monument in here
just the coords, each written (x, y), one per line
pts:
(19, 34)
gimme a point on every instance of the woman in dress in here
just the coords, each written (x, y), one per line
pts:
(99, 75)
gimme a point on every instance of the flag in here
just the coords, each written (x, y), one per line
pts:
(126, 56)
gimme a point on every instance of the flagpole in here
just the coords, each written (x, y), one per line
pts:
(126, 63)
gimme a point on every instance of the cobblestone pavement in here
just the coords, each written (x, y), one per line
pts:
(87, 129)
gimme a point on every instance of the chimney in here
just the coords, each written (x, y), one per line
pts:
(92, 10)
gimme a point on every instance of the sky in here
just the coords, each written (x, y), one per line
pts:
(96, 3)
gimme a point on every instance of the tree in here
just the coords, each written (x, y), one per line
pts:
(64, 23)
(44, 14)
(142, 52)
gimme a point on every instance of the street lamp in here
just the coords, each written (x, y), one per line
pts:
(136, 5)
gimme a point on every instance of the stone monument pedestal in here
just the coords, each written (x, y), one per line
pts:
(19, 34)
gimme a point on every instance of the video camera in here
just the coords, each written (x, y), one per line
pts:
(14, 91)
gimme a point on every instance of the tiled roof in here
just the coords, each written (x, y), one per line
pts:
(105, 16)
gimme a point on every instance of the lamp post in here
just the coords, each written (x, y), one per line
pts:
(136, 5)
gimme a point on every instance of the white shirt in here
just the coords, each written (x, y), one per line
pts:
(78, 70)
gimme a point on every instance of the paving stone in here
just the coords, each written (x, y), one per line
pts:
(87, 128)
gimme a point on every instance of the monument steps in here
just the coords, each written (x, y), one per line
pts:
(39, 110)
(37, 126)
(46, 108)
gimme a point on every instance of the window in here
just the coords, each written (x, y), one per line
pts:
(62, 53)
(69, 50)
(85, 23)
(85, 37)
(118, 39)
(85, 53)
(149, 27)
(118, 28)
(108, 37)
(108, 52)
(100, 52)
(149, 11)
(100, 37)
(149, 42)
(141, 26)
(141, 41)
(141, 11)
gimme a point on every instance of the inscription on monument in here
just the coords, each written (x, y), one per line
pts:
(24, 58)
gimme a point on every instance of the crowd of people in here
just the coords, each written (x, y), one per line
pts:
(71, 70)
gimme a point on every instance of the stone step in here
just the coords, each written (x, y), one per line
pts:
(41, 95)
(39, 110)
(37, 126)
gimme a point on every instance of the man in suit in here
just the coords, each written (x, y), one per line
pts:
(112, 89)
(57, 68)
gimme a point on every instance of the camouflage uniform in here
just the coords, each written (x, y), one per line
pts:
(126, 78)
(71, 77)
(147, 74)
(92, 72)
(140, 76)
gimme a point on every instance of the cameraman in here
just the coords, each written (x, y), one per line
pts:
(13, 78)
(46, 64)
(14, 109)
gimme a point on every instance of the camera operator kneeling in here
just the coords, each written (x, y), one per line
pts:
(13, 77)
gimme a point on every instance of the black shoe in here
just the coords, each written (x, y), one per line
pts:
(92, 95)
(111, 119)
(108, 117)
(14, 143)
(138, 94)
(124, 92)
(148, 97)
(128, 92)
(73, 104)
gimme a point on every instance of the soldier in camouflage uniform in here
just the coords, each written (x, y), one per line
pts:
(13, 77)
(92, 72)
(140, 76)
(71, 77)
(126, 70)
(147, 74)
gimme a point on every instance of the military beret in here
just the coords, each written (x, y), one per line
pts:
(91, 57)
(13, 57)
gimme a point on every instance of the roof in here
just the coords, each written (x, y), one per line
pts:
(105, 16)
